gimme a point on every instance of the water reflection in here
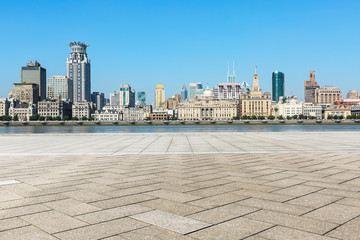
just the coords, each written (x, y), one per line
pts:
(176, 128)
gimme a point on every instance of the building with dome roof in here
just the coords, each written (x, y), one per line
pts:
(208, 108)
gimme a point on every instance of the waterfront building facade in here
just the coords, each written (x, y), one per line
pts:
(4, 106)
(98, 98)
(159, 95)
(172, 102)
(208, 109)
(195, 90)
(78, 71)
(107, 115)
(184, 93)
(255, 103)
(340, 111)
(23, 111)
(141, 97)
(288, 106)
(127, 96)
(82, 109)
(278, 85)
(353, 94)
(310, 87)
(60, 86)
(133, 114)
(312, 110)
(34, 73)
(327, 95)
(54, 108)
(26, 92)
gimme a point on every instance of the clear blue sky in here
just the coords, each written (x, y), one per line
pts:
(170, 42)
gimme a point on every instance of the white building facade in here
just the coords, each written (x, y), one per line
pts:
(288, 106)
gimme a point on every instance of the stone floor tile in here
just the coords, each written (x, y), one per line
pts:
(350, 201)
(314, 200)
(101, 230)
(171, 221)
(121, 201)
(175, 196)
(349, 231)
(28, 233)
(86, 196)
(263, 195)
(53, 221)
(275, 206)
(112, 213)
(71, 207)
(223, 213)
(11, 223)
(284, 233)
(21, 211)
(153, 233)
(297, 190)
(7, 182)
(291, 221)
(174, 207)
(6, 195)
(283, 183)
(31, 201)
(335, 213)
(133, 190)
(235, 229)
(217, 200)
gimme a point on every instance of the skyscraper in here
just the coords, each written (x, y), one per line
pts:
(127, 96)
(184, 93)
(310, 87)
(231, 78)
(278, 85)
(196, 89)
(34, 73)
(59, 86)
(141, 97)
(99, 99)
(78, 70)
(159, 95)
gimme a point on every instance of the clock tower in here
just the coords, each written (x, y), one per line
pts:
(255, 85)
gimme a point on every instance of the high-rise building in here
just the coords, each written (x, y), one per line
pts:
(127, 96)
(99, 99)
(310, 87)
(26, 92)
(78, 70)
(159, 95)
(278, 85)
(231, 78)
(184, 93)
(34, 73)
(115, 99)
(196, 89)
(60, 86)
(327, 95)
(141, 97)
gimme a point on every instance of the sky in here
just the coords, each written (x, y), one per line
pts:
(169, 42)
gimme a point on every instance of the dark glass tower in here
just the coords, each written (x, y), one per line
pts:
(278, 85)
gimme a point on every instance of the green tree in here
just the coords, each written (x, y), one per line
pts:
(271, 117)
(280, 117)
(75, 118)
(295, 116)
(288, 117)
(244, 117)
(16, 118)
(236, 118)
(276, 109)
(253, 117)
(92, 118)
(84, 118)
(66, 118)
(261, 118)
(57, 118)
(49, 118)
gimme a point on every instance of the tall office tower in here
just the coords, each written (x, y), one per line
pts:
(159, 95)
(78, 70)
(231, 78)
(310, 87)
(99, 99)
(278, 85)
(114, 99)
(34, 73)
(127, 96)
(196, 89)
(141, 96)
(184, 93)
(60, 86)
(26, 92)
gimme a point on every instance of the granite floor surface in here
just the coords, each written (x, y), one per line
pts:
(180, 186)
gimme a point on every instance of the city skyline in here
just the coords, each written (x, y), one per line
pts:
(185, 54)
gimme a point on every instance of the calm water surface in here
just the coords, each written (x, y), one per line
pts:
(177, 128)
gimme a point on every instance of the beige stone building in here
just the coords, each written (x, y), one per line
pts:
(208, 109)
(327, 95)
(26, 92)
(255, 103)
(54, 108)
(159, 96)
(4, 106)
(82, 109)
(23, 111)
(337, 111)
(172, 102)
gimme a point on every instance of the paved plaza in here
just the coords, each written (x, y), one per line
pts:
(180, 186)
